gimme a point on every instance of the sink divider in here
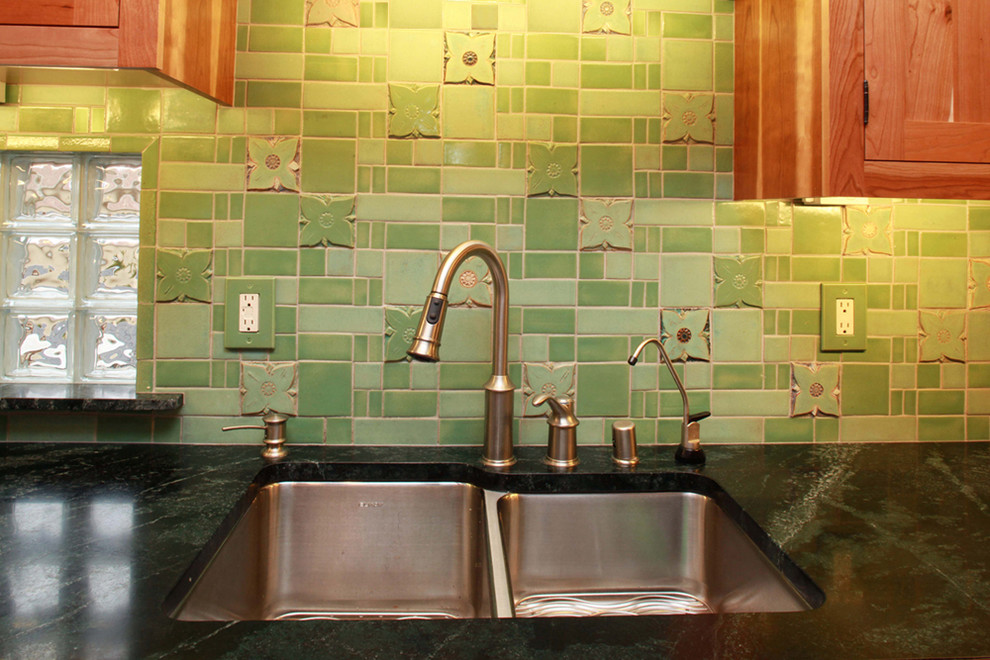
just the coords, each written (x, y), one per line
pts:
(501, 588)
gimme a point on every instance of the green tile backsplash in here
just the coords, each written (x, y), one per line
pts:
(591, 144)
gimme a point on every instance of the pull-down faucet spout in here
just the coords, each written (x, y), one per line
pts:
(499, 390)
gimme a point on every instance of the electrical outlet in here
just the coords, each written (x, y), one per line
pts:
(843, 321)
(249, 314)
(845, 316)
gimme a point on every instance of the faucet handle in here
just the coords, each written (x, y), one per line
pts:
(562, 431)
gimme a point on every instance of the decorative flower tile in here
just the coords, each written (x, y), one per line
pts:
(606, 224)
(273, 164)
(471, 285)
(552, 170)
(867, 229)
(942, 336)
(335, 13)
(689, 118)
(738, 281)
(327, 221)
(606, 16)
(400, 328)
(555, 380)
(686, 334)
(814, 389)
(268, 387)
(980, 271)
(414, 111)
(184, 274)
(469, 58)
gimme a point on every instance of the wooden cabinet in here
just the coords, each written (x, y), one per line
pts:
(190, 42)
(60, 12)
(860, 98)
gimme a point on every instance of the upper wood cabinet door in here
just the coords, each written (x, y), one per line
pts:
(928, 67)
(89, 13)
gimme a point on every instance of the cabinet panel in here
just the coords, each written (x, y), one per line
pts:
(190, 42)
(800, 109)
(93, 13)
(927, 64)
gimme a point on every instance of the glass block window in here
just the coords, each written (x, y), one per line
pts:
(69, 267)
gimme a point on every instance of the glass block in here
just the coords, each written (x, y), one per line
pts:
(37, 346)
(38, 266)
(110, 267)
(115, 190)
(110, 346)
(42, 188)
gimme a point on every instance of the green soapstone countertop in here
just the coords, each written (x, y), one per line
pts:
(93, 537)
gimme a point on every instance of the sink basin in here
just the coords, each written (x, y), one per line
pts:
(638, 553)
(394, 541)
(347, 550)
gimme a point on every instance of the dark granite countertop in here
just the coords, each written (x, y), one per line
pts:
(93, 537)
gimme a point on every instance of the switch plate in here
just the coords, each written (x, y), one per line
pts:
(843, 317)
(249, 313)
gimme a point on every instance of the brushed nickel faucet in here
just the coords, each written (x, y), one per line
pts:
(499, 390)
(689, 450)
(561, 431)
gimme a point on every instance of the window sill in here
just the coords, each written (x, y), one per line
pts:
(84, 398)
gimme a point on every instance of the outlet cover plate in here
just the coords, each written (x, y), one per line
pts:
(831, 340)
(265, 337)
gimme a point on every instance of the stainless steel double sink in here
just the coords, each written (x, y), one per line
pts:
(353, 541)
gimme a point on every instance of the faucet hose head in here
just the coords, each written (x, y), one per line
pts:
(633, 360)
(426, 343)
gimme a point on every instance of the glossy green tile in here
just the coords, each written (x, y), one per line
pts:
(552, 101)
(737, 376)
(942, 283)
(610, 129)
(737, 335)
(687, 65)
(596, 400)
(553, 16)
(551, 224)
(182, 373)
(687, 26)
(327, 166)
(413, 237)
(133, 110)
(685, 280)
(792, 430)
(46, 120)
(287, 12)
(271, 220)
(606, 76)
(324, 388)
(606, 171)
(468, 112)
(274, 94)
(270, 262)
(550, 265)
(416, 56)
(865, 389)
(187, 112)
